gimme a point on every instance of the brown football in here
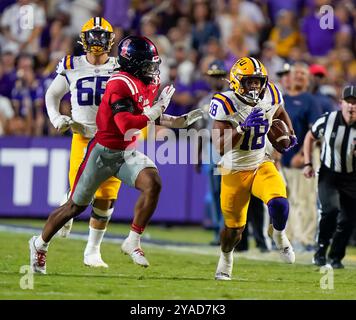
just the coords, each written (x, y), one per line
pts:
(279, 134)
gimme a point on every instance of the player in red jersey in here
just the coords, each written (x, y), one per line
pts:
(126, 107)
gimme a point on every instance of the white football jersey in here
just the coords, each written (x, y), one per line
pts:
(250, 151)
(87, 84)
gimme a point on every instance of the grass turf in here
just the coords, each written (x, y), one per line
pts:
(172, 275)
(189, 234)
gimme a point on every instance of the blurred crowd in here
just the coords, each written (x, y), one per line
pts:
(190, 34)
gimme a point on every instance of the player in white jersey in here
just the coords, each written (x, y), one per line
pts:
(85, 78)
(226, 106)
(242, 117)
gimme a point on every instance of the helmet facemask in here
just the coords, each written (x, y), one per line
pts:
(97, 41)
(252, 88)
(151, 68)
(248, 79)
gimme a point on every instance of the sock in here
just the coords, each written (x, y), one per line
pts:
(278, 232)
(226, 255)
(40, 244)
(136, 228)
(280, 239)
(278, 209)
(225, 262)
(134, 238)
(94, 240)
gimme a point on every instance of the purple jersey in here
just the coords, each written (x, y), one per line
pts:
(7, 83)
(27, 97)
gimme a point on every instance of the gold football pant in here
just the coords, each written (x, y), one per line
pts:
(264, 183)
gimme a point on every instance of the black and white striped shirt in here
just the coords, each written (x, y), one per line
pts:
(339, 143)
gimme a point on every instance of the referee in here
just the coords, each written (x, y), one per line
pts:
(337, 178)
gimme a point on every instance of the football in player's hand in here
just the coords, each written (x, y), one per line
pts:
(279, 134)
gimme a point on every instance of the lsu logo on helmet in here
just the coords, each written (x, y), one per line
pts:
(244, 68)
(97, 36)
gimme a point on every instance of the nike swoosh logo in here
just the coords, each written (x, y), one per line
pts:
(268, 110)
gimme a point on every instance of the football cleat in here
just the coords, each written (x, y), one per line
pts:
(65, 230)
(319, 258)
(336, 264)
(224, 268)
(287, 254)
(136, 253)
(283, 245)
(319, 261)
(222, 276)
(37, 257)
(94, 260)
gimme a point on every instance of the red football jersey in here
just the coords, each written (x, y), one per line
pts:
(121, 85)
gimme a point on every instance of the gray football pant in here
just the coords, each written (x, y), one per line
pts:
(100, 163)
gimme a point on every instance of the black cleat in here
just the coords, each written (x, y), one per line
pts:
(319, 259)
(336, 264)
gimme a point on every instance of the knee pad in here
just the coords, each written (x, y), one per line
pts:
(278, 209)
(102, 215)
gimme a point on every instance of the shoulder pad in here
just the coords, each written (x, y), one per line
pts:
(221, 107)
(67, 63)
(123, 83)
(275, 94)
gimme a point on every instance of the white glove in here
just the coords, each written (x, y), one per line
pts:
(165, 96)
(87, 131)
(77, 127)
(161, 105)
(61, 123)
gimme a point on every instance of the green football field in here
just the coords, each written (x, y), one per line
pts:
(182, 267)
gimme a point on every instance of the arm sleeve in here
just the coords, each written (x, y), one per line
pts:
(318, 128)
(126, 121)
(168, 120)
(57, 89)
(123, 108)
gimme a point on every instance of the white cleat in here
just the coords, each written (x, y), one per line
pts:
(222, 276)
(94, 260)
(65, 230)
(136, 253)
(287, 254)
(224, 269)
(37, 257)
(282, 243)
